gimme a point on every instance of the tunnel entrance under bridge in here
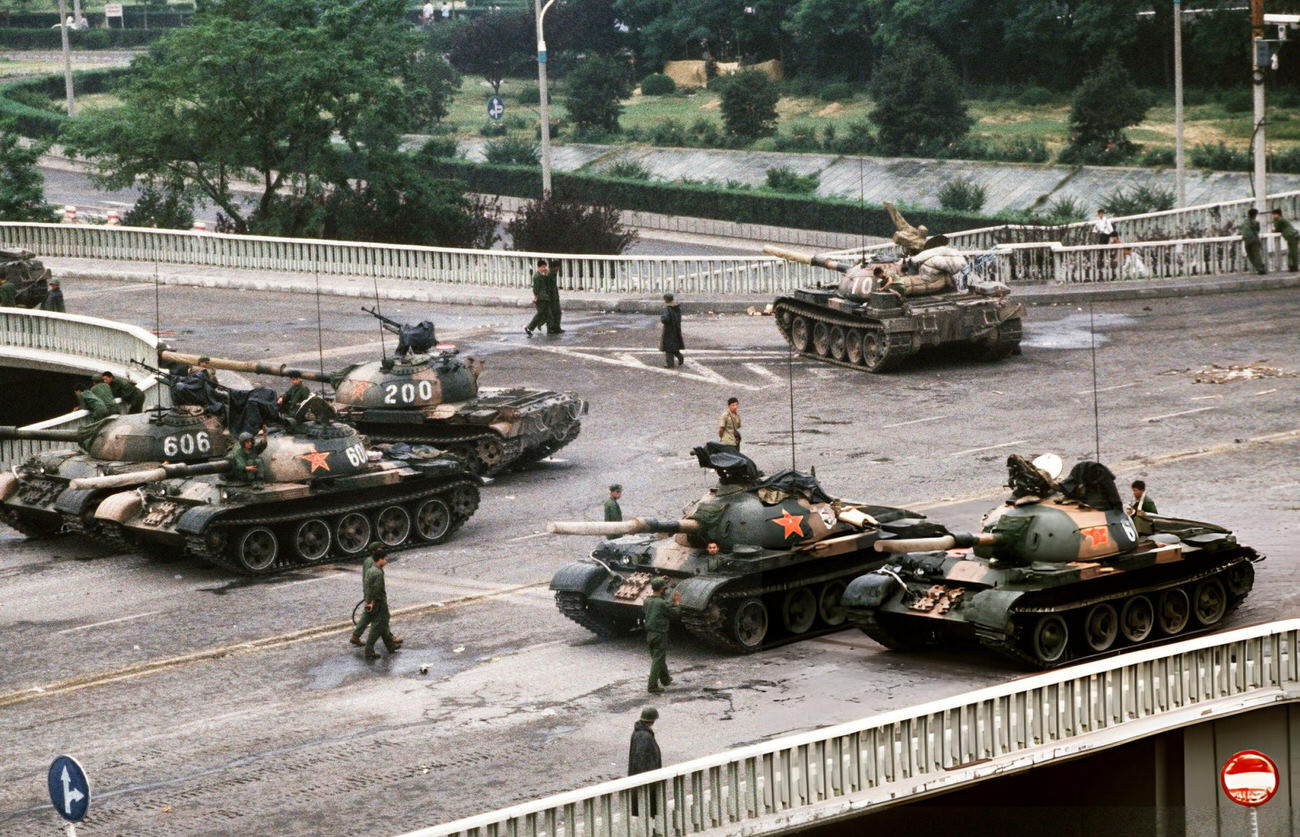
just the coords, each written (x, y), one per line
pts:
(34, 395)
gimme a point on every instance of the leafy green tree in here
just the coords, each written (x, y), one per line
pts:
(832, 37)
(165, 206)
(434, 82)
(596, 87)
(557, 225)
(495, 45)
(1106, 103)
(748, 105)
(918, 101)
(22, 186)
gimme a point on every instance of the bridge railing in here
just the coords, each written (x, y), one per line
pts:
(780, 784)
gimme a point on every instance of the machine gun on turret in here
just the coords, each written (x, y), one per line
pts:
(418, 338)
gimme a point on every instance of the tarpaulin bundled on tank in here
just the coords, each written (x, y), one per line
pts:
(791, 483)
(731, 464)
(1092, 484)
(418, 338)
(252, 409)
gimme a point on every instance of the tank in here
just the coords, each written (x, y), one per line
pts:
(786, 552)
(36, 498)
(322, 496)
(1060, 572)
(426, 394)
(26, 274)
(873, 322)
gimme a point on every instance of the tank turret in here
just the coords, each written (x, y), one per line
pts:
(1060, 572)
(757, 561)
(26, 275)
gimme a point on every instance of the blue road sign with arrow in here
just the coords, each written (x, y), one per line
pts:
(496, 108)
(69, 789)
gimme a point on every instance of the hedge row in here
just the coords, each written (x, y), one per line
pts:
(46, 124)
(699, 200)
(169, 16)
(80, 39)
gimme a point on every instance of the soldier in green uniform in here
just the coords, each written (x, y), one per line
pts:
(366, 616)
(656, 613)
(8, 294)
(132, 397)
(544, 298)
(1141, 501)
(613, 512)
(553, 285)
(1283, 227)
(248, 465)
(92, 403)
(729, 424)
(294, 395)
(104, 393)
(377, 605)
(1250, 238)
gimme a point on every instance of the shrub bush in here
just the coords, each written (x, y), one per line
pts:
(493, 128)
(1155, 157)
(512, 151)
(657, 84)
(1219, 157)
(85, 39)
(963, 195)
(529, 94)
(748, 105)
(836, 91)
(802, 137)
(1237, 101)
(1138, 200)
(1035, 96)
(856, 139)
(1065, 210)
(443, 146)
(628, 169)
(784, 179)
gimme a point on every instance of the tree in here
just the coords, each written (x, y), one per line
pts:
(748, 105)
(1105, 103)
(22, 186)
(556, 225)
(434, 82)
(595, 87)
(166, 206)
(494, 45)
(918, 101)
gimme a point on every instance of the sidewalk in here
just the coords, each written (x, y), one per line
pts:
(72, 270)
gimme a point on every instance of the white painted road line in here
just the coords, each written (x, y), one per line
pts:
(762, 371)
(108, 622)
(702, 373)
(1107, 389)
(993, 447)
(528, 537)
(913, 421)
(1179, 413)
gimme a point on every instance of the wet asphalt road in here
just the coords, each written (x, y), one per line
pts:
(297, 735)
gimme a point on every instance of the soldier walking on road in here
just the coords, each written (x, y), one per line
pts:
(1283, 227)
(366, 616)
(8, 294)
(729, 424)
(92, 403)
(546, 296)
(377, 604)
(671, 343)
(643, 754)
(1250, 238)
(656, 613)
(132, 397)
(54, 298)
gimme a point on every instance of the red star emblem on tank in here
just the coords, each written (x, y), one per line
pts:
(317, 459)
(792, 523)
(359, 390)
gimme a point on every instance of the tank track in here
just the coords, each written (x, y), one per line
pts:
(573, 605)
(27, 530)
(867, 622)
(514, 453)
(462, 498)
(893, 355)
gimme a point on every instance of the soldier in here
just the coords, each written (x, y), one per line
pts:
(8, 295)
(643, 754)
(656, 614)
(729, 424)
(1283, 227)
(671, 343)
(132, 397)
(1141, 502)
(53, 298)
(1250, 238)
(92, 403)
(205, 368)
(294, 395)
(104, 392)
(377, 605)
(553, 284)
(613, 512)
(366, 615)
(543, 299)
(248, 465)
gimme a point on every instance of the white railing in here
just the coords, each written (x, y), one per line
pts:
(781, 784)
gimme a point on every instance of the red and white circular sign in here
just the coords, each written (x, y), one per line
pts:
(1249, 778)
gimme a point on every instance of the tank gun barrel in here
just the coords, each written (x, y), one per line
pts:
(635, 526)
(954, 541)
(255, 367)
(151, 475)
(804, 258)
(8, 431)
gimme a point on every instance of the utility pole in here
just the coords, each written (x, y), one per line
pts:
(1180, 161)
(1259, 60)
(67, 55)
(543, 100)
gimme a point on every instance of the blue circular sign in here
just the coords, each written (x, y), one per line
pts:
(496, 108)
(69, 789)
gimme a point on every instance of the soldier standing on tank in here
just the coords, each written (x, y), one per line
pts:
(643, 754)
(656, 614)
(671, 343)
(92, 403)
(1141, 502)
(366, 616)
(53, 298)
(294, 395)
(132, 397)
(8, 295)
(543, 298)
(1283, 227)
(247, 461)
(729, 424)
(377, 605)
(1250, 238)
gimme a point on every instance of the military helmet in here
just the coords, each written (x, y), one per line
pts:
(658, 583)
(245, 437)
(377, 549)
(649, 714)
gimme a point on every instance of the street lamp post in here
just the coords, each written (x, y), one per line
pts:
(1180, 163)
(543, 98)
(1259, 62)
(67, 55)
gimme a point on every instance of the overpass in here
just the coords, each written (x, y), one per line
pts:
(1157, 724)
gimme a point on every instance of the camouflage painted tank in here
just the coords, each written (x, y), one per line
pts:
(427, 395)
(786, 551)
(36, 498)
(26, 274)
(322, 496)
(873, 322)
(1061, 572)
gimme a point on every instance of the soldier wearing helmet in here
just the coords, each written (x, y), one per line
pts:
(657, 614)
(246, 459)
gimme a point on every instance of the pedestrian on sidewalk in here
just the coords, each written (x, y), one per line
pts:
(1284, 228)
(643, 755)
(1103, 228)
(1250, 238)
(729, 424)
(54, 298)
(671, 343)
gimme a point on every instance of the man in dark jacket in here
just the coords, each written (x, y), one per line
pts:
(130, 394)
(54, 298)
(671, 343)
(546, 296)
(643, 755)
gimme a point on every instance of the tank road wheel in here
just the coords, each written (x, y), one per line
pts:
(432, 520)
(1173, 611)
(1049, 639)
(1137, 619)
(799, 334)
(828, 603)
(748, 624)
(1209, 602)
(352, 533)
(853, 346)
(489, 452)
(822, 339)
(839, 348)
(1240, 579)
(311, 539)
(799, 610)
(1100, 627)
(393, 525)
(256, 548)
(873, 351)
